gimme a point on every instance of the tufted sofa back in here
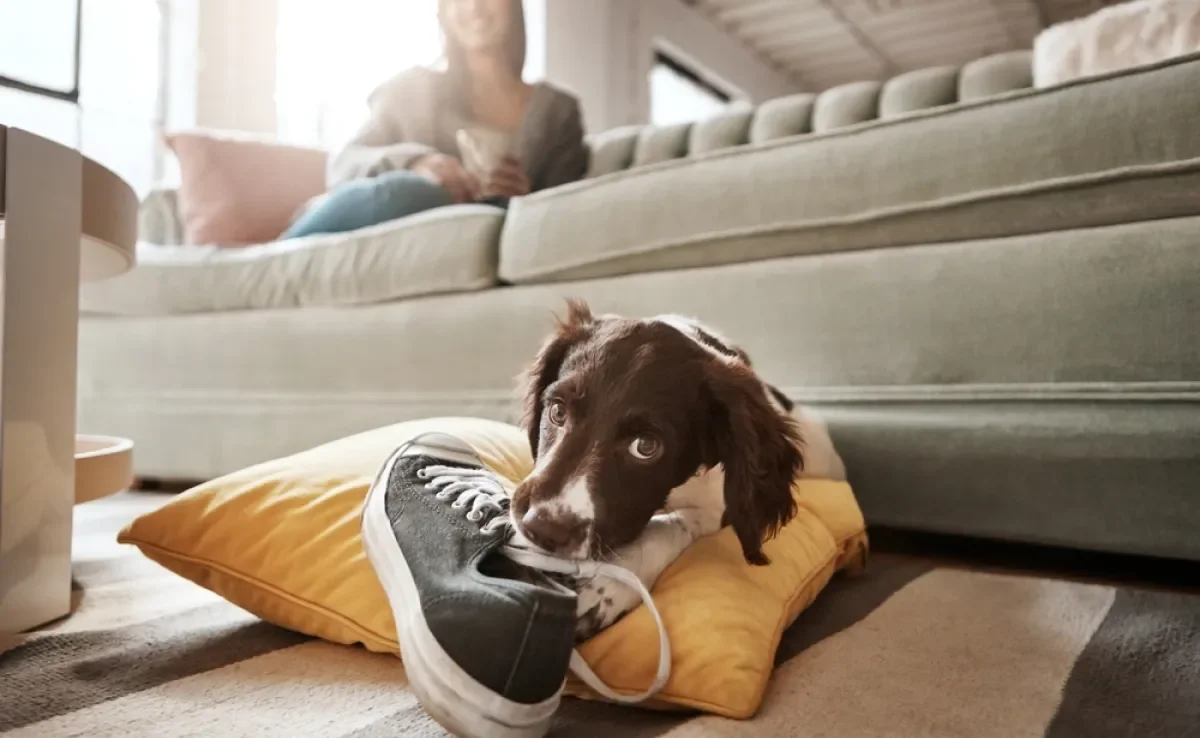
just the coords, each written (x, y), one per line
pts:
(795, 115)
(798, 115)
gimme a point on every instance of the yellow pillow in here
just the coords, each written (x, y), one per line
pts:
(281, 540)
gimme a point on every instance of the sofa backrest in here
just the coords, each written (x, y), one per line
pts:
(797, 115)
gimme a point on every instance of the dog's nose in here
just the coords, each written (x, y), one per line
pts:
(546, 531)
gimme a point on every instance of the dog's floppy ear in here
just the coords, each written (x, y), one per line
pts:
(759, 448)
(708, 337)
(544, 370)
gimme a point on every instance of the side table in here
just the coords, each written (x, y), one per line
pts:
(63, 218)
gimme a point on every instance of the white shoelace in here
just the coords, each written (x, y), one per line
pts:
(586, 570)
(477, 489)
(481, 492)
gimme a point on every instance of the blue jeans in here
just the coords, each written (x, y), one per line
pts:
(370, 201)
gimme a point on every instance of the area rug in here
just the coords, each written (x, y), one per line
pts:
(909, 649)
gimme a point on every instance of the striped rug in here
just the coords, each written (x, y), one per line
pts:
(911, 649)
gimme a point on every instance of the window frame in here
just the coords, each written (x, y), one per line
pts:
(68, 96)
(685, 71)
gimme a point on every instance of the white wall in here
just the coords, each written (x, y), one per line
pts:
(603, 50)
(584, 53)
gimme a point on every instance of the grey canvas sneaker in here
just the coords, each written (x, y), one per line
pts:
(485, 649)
(486, 628)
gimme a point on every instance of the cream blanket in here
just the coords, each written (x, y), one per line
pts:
(1117, 37)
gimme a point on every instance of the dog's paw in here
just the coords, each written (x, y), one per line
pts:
(601, 602)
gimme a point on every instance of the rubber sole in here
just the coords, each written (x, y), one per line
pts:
(452, 697)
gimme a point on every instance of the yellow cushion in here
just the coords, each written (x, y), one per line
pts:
(281, 540)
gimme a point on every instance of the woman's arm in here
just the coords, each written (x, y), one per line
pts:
(381, 145)
(568, 158)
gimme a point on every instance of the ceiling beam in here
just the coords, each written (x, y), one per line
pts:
(860, 37)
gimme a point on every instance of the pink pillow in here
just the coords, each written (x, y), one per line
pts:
(236, 190)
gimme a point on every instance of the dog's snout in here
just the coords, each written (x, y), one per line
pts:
(550, 532)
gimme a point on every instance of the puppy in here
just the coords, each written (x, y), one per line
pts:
(646, 435)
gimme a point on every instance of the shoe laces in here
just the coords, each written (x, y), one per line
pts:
(587, 569)
(477, 491)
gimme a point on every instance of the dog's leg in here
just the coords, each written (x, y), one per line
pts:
(695, 509)
(602, 601)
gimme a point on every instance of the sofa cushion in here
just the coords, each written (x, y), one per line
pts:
(662, 143)
(995, 75)
(1074, 156)
(919, 90)
(731, 128)
(445, 250)
(846, 105)
(782, 117)
(1089, 314)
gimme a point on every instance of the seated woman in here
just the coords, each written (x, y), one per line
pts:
(406, 158)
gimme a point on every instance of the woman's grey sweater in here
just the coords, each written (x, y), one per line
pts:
(414, 114)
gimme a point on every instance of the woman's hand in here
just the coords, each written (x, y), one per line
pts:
(449, 173)
(508, 179)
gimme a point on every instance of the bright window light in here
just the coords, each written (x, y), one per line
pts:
(331, 55)
(37, 42)
(109, 112)
(677, 95)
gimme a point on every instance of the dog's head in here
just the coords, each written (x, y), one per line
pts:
(621, 412)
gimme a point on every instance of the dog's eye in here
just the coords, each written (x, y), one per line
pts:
(557, 411)
(645, 448)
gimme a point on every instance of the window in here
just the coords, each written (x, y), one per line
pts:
(39, 73)
(86, 73)
(330, 56)
(38, 46)
(679, 95)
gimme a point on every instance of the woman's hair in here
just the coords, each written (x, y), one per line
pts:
(514, 45)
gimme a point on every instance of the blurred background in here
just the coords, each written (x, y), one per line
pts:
(107, 75)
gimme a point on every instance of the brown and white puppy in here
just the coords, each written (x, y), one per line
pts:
(648, 434)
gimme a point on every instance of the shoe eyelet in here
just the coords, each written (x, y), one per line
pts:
(474, 516)
(441, 496)
(422, 473)
(457, 504)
